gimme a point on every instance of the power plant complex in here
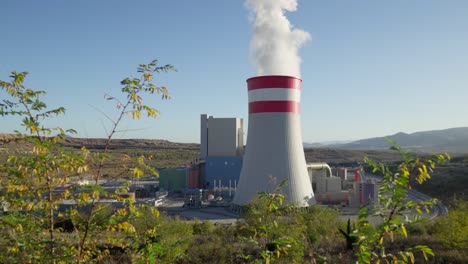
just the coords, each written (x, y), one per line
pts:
(227, 174)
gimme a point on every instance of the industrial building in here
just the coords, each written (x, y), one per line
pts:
(274, 152)
(221, 137)
(341, 172)
(347, 190)
(222, 171)
(220, 162)
(173, 179)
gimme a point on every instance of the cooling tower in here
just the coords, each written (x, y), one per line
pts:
(274, 150)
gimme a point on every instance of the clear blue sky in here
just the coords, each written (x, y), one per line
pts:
(372, 68)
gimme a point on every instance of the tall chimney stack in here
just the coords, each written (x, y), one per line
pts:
(274, 150)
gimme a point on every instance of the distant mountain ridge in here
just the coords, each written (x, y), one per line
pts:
(452, 140)
(326, 143)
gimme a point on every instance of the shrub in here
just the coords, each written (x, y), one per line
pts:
(452, 229)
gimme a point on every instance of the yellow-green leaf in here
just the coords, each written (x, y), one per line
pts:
(137, 172)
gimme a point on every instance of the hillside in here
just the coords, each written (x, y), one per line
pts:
(164, 153)
(335, 157)
(449, 180)
(453, 140)
(348, 158)
(141, 144)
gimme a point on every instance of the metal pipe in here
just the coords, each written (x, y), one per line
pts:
(320, 166)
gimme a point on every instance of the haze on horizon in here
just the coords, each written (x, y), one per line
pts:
(370, 69)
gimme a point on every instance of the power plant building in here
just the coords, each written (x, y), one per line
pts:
(328, 184)
(173, 179)
(222, 171)
(341, 172)
(274, 153)
(364, 193)
(333, 184)
(221, 136)
(221, 150)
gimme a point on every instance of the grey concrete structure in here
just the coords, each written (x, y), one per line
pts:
(221, 136)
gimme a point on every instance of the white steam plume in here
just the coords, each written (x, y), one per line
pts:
(275, 43)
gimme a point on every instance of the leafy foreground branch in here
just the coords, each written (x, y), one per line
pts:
(37, 185)
(394, 209)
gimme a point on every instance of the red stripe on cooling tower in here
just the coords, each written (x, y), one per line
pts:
(274, 107)
(274, 81)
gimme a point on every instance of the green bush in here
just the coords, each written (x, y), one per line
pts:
(216, 244)
(321, 224)
(202, 228)
(452, 229)
(159, 238)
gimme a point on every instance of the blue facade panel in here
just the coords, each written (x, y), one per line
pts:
(222, 169)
